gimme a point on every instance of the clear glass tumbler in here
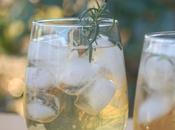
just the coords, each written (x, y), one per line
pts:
(72, 85)
(155, 95)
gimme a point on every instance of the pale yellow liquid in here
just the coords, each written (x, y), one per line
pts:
(166, 122)
(112, 117)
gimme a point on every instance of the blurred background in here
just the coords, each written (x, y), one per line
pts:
(136, 18)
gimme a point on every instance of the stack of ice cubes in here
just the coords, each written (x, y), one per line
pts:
(158, 74)
(54, 64)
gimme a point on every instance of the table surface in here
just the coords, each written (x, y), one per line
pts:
(15, 122)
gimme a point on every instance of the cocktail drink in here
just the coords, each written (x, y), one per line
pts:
(71, 85)
(155, 96)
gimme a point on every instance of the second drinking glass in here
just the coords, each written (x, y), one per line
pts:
(155, 96)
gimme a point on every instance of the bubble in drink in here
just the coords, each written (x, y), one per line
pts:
(42, 107)
(154, 107)
(95, 96)
(76, 74)
(40, 78)
(159, 74)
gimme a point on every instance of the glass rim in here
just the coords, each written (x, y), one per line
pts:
(161, 43)
(159, 36)
(107, 22)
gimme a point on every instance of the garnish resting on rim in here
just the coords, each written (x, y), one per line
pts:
(93, 17)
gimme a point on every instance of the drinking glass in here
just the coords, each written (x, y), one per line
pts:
(72, 84)
(155, 95)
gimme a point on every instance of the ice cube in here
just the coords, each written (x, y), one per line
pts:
(39, 78)
(95, 96)
(159, 75)
(42, 107)
(47, 51)
(39, 112)
(110, 60)
(154, 107)
(76, 75)
(103, 41)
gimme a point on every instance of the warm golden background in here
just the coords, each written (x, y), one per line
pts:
(136, 17)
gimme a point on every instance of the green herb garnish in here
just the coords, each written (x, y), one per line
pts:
(90, 20)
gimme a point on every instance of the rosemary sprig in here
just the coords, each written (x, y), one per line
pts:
(93, 17)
